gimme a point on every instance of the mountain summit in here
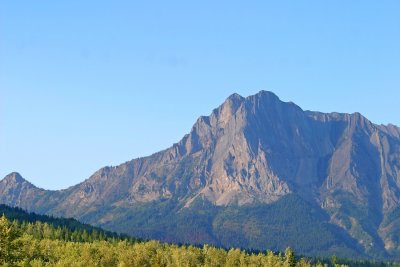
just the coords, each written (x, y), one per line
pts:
(252, 174)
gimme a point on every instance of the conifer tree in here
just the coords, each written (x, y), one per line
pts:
(9, 244)
(290, 260)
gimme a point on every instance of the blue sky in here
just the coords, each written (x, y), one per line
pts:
(84, 84)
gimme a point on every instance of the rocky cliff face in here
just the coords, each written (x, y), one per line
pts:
(251, 151)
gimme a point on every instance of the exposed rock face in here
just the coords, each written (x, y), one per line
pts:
(249, 151)
(16, 190)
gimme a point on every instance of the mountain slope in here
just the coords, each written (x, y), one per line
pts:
(69, 225)
(249, 153)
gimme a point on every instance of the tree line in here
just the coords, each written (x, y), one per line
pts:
(41, 244)
(36, 243)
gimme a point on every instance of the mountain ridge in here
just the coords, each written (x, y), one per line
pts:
(250, 151)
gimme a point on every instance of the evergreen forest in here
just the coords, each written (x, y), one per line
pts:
(28, 239)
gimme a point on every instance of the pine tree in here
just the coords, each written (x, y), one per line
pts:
(290, 260)
(9, 244)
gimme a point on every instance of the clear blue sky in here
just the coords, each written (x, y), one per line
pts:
(84, 84)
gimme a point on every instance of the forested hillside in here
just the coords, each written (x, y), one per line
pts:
(35, 240)
(68, 229)
(40, 244)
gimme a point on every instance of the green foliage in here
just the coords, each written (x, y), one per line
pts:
(42, 244)
(288, 222)
(290, 260)
(9, 242)
(66, 228)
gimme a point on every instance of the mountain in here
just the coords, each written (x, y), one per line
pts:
(257, 173)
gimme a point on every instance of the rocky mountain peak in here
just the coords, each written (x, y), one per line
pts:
(251, 151)
(235, 97)
(263, 99)
(227, 110)
(16, 191)
(14, 178)
(266, 95)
